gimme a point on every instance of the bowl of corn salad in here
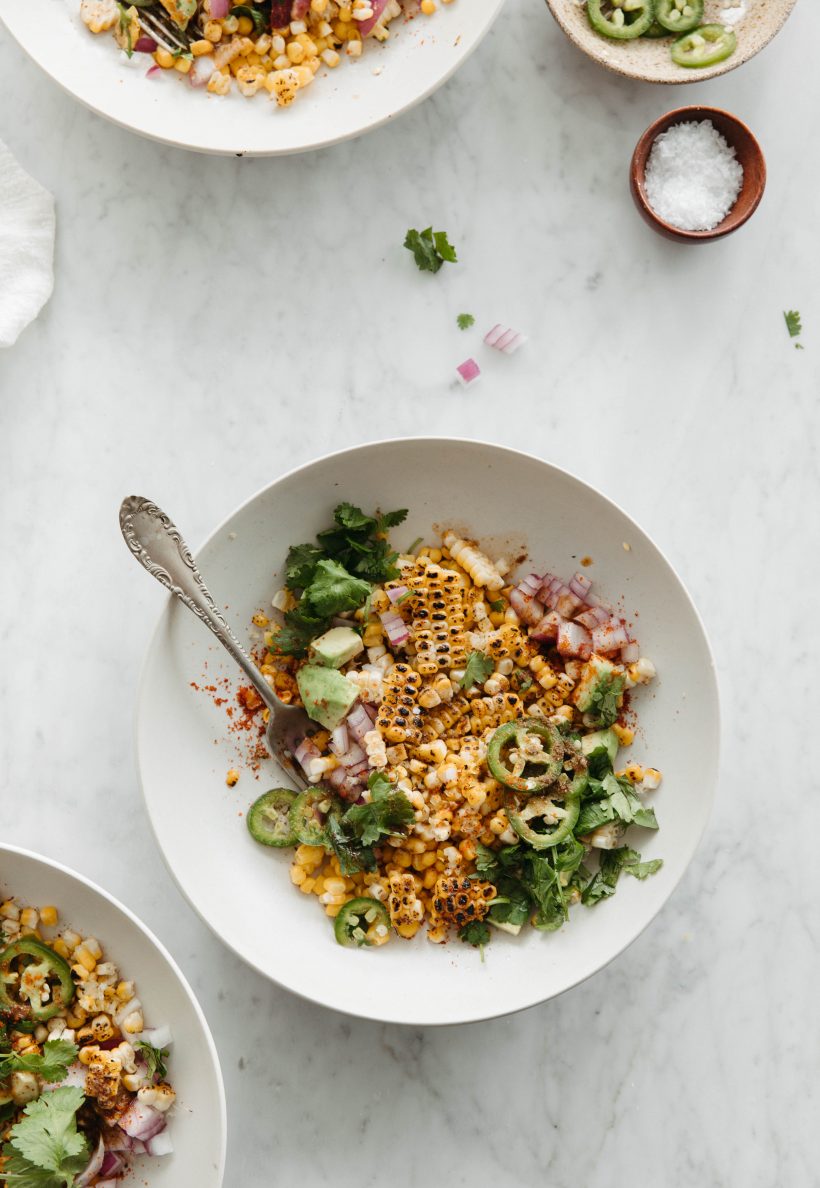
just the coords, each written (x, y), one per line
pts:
(258, 79)
(101, 1039)
(505, 680)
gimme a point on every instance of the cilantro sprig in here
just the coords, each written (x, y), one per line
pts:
(154, 1058)
(354, 832)
(794, 325)
(478, 669)
(45, 1149)
(465, 321)
(430, 249)
(51, 1065)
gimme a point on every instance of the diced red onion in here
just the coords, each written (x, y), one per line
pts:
(220, 9)
(468, 371)
(346, 784)
(142, 1121)
(397, 593)
(574, 640)
(359, 722)
(369, 25)
(609, 637)
(594, 616)
(397, 630)
(144, 45)
(524, 602)
(113, 1164)
(546, 631)
(339, 741)
(93, 1166)
(299, 10)
(502, 338)
(153, 71)
(630, 653)
(580, 585)
(352, 757)
(303, 754)
(160, 1144)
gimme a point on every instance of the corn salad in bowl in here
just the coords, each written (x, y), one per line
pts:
(275, 47)
(76, 1058)
(463, 773)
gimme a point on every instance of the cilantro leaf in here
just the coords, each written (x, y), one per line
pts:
(387, 812)
(603, 705)
(479, 668)
(247, 10)
(476, 933)
(155, 1059)
(642, 870)
(430, 249)
(497, 605)
(392, 519)
(614, 800)
(349, 516)
(334, 590)
(465, 321)
(46, 1140)
(794, 324)
(352, 854)
(52, 1065)
(301, 565)
(613, 864)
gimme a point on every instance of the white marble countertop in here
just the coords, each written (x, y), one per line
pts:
(196, 347)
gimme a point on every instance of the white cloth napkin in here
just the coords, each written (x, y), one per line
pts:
(26, 248)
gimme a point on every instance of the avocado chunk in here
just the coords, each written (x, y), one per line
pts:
(606, 740)
(600, 691)
(336, 647)
(326, 694)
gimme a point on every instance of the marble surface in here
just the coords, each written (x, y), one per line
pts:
(197, 345)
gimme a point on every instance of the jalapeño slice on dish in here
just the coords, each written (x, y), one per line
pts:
(679, 16)
(548, 820)
(357, 919)
(269, 818)
(35, 982)
(622, 20)
(308, 816)
(526, 755)
(705, 46)
(656, 30)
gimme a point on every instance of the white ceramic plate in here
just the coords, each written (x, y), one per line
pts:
(755, 23)
(420, 55)
(197, 1125)
(243, 891)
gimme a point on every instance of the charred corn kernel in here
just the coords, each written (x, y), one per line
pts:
(29, 918)
(199, 49)
(405, 907)
(99, 15)
(182, 65)
(163, 58)
(428, 7)
(372, 634)
(76, 1016)
(244, 26)
(48, 916)
(232, 777)
(213, 31)
(479, 567)
(565, 712)
(436, 606)
(282, 84)
(633, 772)
(399, 718)
(624, 734)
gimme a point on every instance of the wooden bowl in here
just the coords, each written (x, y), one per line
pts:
(749, 154)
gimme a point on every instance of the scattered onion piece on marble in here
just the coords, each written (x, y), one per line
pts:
(502, 338)
(468, 372)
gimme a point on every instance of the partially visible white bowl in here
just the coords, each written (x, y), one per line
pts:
(242, 890)
(198, 1123)
(420, 55)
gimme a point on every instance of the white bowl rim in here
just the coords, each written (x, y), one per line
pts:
(472, 441)
(6, 848)
(318, 142)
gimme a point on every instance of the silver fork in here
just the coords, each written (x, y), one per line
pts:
(156, 23)
(158, 546)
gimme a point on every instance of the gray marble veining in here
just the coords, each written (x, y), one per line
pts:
(215, 322)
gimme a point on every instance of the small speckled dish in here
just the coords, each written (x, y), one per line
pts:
(749, 154)
(754, 21)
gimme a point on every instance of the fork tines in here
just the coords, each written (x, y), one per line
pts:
(157, 24)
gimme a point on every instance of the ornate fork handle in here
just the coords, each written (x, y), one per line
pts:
(158, 545)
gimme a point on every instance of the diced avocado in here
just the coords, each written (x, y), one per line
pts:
(600, 691)
(336, 647)
(606, 739)
(503, 926)
(326, 694)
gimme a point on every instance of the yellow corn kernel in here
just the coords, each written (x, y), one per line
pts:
(624, 734)
(428, 7)
(198, 49)
(318, 6)
(262, 46)
(76, 1017)
(29, 918)
(306, 887)
(333, 909)
(48, 916)
(231, 24)
(59, 946)
(163, 58)
(345, 12)
(330, 58)
(298, 874)
(213, 31)
(232, 777)
(245, 26)
(182, 65)
(85, 959)
(372, 634)
(125, 990)
(295, 52)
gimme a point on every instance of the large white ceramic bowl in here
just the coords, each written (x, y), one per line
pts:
(242, 890)
(420, 55)
(197, 1125)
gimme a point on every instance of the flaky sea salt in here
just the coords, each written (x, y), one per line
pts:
(693, 176)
